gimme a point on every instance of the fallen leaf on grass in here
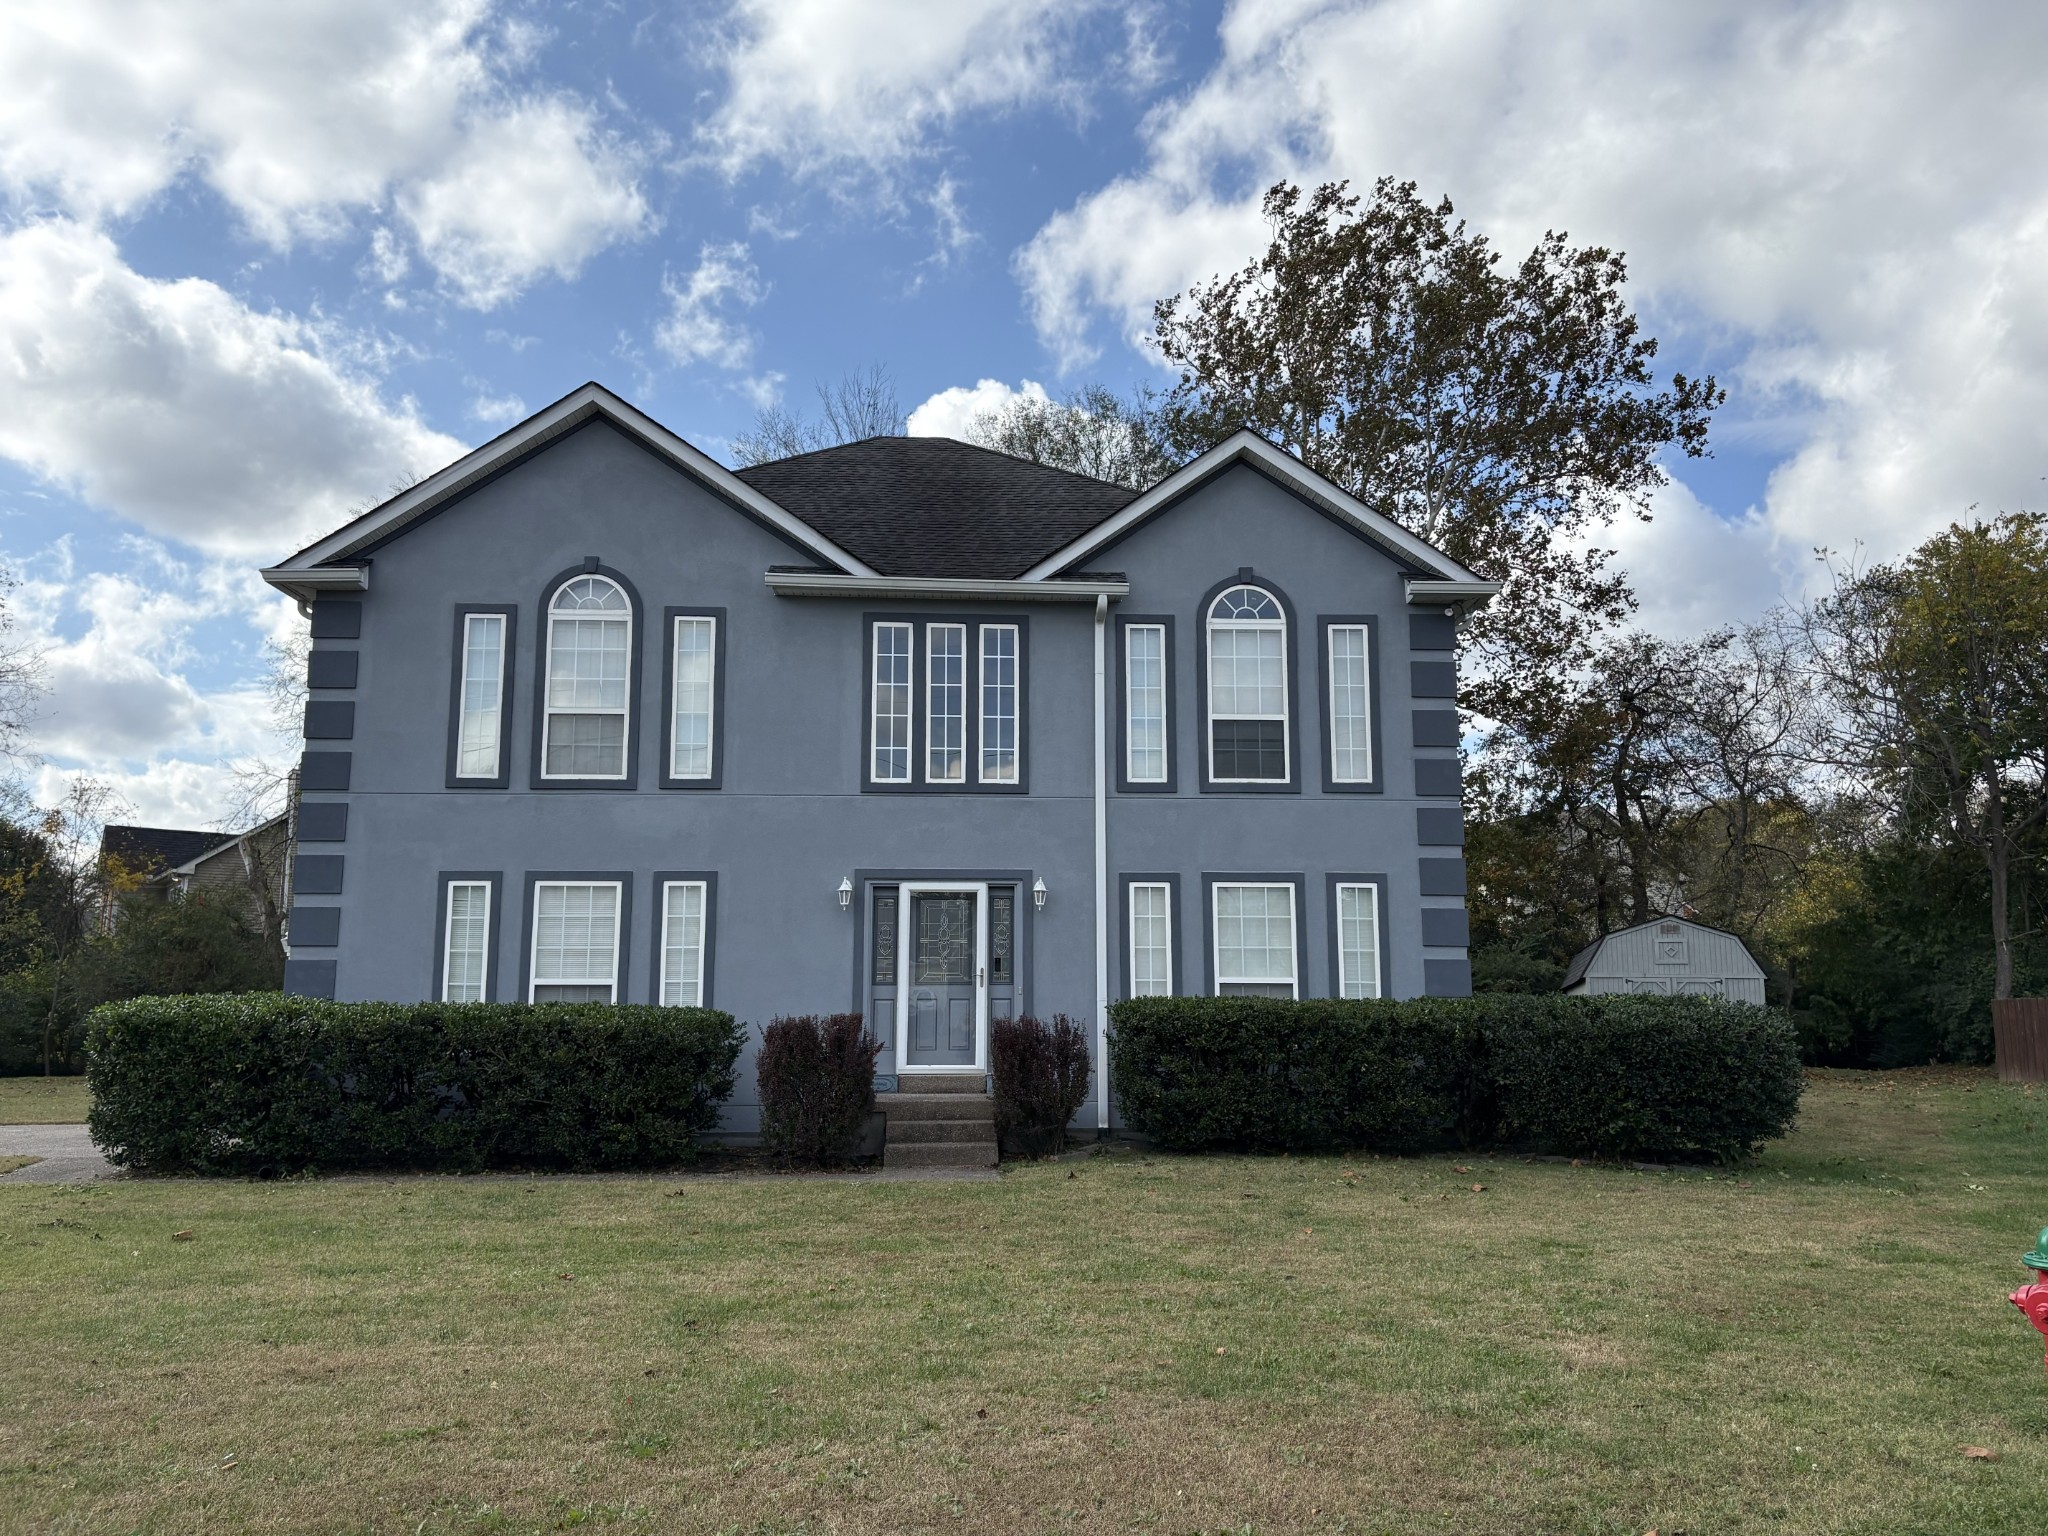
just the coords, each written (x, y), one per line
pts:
(1461, 1168)
(1978, 1453)
(565, 1275)
(1478, 1189)
(1221, 1350)
(182, 1237)
(981, 1413)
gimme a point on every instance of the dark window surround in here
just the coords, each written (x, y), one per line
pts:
(493, 956)
(1291, 785)
(1385, 915)
(970, 784)
(1212, 879)
(1174, 926)
(668, 697)
(1124, 786)
(635, 704)
(662, 877)
(1325, 622)
(503, 778)
(863, 917)
(624, 880)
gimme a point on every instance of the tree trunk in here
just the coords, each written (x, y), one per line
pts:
(1998, 860)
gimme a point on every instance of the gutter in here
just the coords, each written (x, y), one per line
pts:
(972, 589)
(308, 583)
(1451, 594)
(1101, 871)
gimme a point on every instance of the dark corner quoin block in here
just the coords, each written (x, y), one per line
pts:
(317, 874)
(332, 669)
(1432, 632)
(1440, 877)
(337, 618)
(309, 978)
(1447, 978)
(1433, 679)
(1439, 826)
(315, 927)
(330, 720)
(1436, 727)
(1446, 927)
(1436, 778)
(326, 771)
(323, 821)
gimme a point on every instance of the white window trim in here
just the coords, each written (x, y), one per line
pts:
(462, 698)
(1218, 979)
(1016, 634)
(547, 664)
(1379, 947)
(875, 705)
(1364, 633)
(448, 933)
(668, 891)
(533, 981)
(1131, 929)
(1131, 775)
(1210, 625)
(931, 685)
(675, 660)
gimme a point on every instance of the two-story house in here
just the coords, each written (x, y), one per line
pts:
(905, 727)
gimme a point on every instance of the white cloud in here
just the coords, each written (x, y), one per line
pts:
(1848, 198)
(497, 410)
(303, 117)
(950, 412)
(699, 326)
(176, 406)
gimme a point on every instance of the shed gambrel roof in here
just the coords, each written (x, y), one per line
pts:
(1582, 962)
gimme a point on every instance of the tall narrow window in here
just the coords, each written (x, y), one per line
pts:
(1145, 703)
(575, 942)
(1254, 927)
(1151, 940)
(682, 944)
(696, 641)
(1358, 940)
(1350, 705)
(465, 944)
(590, 631)
(945, 660)
(1247, 688)
(998, 703)
(890, 704)
(483, 695)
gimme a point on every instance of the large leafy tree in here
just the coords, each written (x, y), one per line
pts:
(1505, 413)
(1093, 431)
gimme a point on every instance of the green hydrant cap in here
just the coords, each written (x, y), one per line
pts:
(2038, 1259)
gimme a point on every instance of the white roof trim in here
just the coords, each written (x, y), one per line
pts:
(564, 416)
(970, 589)
(1247, 447)
(1474, 594)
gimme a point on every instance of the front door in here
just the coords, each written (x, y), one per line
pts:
(940, 1003)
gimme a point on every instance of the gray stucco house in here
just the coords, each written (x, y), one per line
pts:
(906, 727)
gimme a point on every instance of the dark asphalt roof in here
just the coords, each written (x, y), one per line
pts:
(157, 848)
(930, 506)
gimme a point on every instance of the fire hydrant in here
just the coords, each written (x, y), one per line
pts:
(2033, 1299)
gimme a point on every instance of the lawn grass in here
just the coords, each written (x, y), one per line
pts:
(43, 1100)
(1147, 1343)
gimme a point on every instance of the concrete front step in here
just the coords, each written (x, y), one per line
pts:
(934, 1106)
(943, 1082)
(904, 1132)
(939, 1154)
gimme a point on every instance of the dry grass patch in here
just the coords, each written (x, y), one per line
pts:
(1133, 1343)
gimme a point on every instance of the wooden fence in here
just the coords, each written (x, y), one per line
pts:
(2019, 1026)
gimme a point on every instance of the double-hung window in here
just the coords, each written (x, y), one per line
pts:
(575, 942)
(684, 912)
(998, 730)
(588, 693)
(945, 703)
(1145, 703)
(945, 672)
(692, 678)
(1151, 930)
(1248, 725)
(1255, 950)
(480, 697)
(1358, 940)
(1350, 678)
(889, 704)
(466, 942)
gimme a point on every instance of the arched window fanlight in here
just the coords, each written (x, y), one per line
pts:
(1247, 642)
(589, 649)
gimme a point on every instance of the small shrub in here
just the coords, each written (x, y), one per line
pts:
(1041, 1080)
(265, 1083)
(817, 1077)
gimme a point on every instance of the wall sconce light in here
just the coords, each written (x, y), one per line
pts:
(1038, 893)
(845, 893)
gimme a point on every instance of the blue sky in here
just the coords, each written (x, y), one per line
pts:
(258, 262)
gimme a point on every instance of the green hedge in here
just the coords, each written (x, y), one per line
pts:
(1596, 1076)
(263, 1083)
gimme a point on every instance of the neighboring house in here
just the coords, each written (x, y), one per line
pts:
(906, 727)
(1669, 956)
(251, 868)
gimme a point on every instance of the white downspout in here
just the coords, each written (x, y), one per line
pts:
(1101, 873)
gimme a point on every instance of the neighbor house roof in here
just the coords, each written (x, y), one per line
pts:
(158, 848)
(930, 506)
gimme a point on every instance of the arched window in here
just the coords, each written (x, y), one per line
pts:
(1247, 688)
(589, 649)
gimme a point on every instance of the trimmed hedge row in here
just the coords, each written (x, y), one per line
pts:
(255, 1083)
(1601, 1076)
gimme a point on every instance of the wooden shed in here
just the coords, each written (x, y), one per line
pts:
(1670, 956)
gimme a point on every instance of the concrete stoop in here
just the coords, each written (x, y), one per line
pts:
(939, 1122)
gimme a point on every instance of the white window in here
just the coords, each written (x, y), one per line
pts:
(998, 703)
(1350, 705)
(682, 944)
(575, 942)
(1145, 703)
(945, 695)
(1247, 688)
(890, 705)
(696, 642)
(466, 942)
(1255, 941)
(1151, 940)
(1358, 940)
(483, 695)
(590, 632)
